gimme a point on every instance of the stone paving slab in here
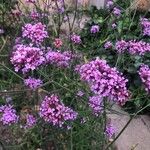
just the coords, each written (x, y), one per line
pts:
(136, 136)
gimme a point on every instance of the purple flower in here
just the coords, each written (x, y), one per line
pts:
(8, 115)
(109, 4)
(114, 25)
(144, 73)
(110, 130)
(95, 29)
(138, 47)
(53, 111)
(145, 23)
(108, 45)
(121, 46)
(26, 58)
(34, 15)
(33, 83)
(30, 121)
(36, 33)
(116, 12)
(60, 59)
(95, 103)
(76, 39)
(80, 93)
(104, 80)
(1, 31)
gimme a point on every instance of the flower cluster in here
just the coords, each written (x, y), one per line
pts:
(60, 59)
(116, 12)
(34, 15)
(108, 45)
(26, 58)
(138, 47)
(95, 29)
(121, 46)
(30, 121)
(95, 103)
(53, 111)
(8, 115)
(144, 73)
(36, 33)
(145, 23)
(33, 83)
(110, 130)
(58, 43)
(109, 4)
(76, 39)
(104, 80)
(133, 47)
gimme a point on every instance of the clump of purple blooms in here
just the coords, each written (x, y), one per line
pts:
(109, 4)
(116, 11)
(94, 29)
(33, 83)
(145, 23)
(138, 47)
(104, 80)
(34, 15)
(121, 46)
(60, 59)
(53, 111)
(30, 121)
(26, 58)
(76, 39)
(110, 130)
(108, 45)
(8, 115)
(144, 73)
(133, 47)
(35, 32)
(95, 103)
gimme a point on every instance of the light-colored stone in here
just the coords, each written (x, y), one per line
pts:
(98, 3)
(136, 136)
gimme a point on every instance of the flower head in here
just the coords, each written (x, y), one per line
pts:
(33, 83)
(144, 73)
(116, 12)
(58, 43)
(108, 45)
(109, 4)
(36, 33)
(145, 23)
(53, 111)
(30, 121)
(76, 39)
(121, 46)
(110, 130)
(26, 58)
(8, 115)
(60, 59)
(95, 29)
(104, 80)
(95, 103)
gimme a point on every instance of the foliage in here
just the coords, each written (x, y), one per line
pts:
(80, 88)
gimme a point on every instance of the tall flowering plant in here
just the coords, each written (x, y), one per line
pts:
(66, 74)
